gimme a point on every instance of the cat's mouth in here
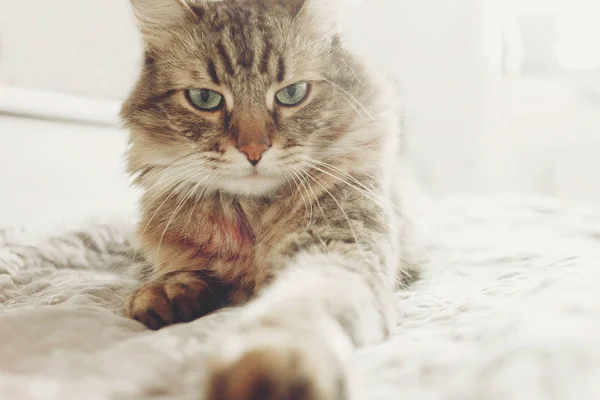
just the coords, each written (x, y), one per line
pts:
(256, 173)
(257, 178)
(253, 183)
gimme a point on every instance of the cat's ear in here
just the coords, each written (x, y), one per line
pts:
(156, 16)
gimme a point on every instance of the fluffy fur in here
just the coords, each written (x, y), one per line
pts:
(310, 239)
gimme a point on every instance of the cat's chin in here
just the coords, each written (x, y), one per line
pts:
(254, 185)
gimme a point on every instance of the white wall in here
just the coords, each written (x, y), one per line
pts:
(76, 46)
(436, 49)
(543, 136)
(53, 172)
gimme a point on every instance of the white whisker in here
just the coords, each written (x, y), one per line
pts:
(352, 97)
(310, 218)
(359, 246)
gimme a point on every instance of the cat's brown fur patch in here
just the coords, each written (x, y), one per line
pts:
(269, 374)
(179, 297)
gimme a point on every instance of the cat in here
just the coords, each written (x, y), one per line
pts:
(268, 155)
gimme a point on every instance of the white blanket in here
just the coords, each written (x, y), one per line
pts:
(509, 308)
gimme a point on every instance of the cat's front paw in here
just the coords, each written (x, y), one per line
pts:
(288, 370)
(180, 297)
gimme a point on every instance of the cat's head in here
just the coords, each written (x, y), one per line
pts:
(244, 96)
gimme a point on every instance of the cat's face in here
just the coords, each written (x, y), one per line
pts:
(241, 95)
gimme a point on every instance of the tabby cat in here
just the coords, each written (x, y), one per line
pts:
(268, 157)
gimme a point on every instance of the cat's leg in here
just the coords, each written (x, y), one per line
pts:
(176, 297)
(295, 338)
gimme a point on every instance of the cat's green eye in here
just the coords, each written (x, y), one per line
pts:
(293, 95)
(204, 99)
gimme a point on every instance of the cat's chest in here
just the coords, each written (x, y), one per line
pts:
(236, 239)
(225, 234)
(245, 230)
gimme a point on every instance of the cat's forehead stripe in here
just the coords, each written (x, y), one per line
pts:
(281, 69)
(198, 10)
(246, 57)
(225, 58)
(266, 57)
(212, 72)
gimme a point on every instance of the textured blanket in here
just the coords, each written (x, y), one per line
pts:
(508, 308)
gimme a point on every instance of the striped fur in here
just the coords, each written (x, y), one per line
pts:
(310, 240)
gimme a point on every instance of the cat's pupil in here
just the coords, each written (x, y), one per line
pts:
(291, 91)
(205, 95)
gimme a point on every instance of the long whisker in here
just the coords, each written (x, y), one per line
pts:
(351, 70)
(345, 216)
(310, 218)
(353, 106)
(267, 234)
(296, 180)
(173, 176)
(371, 196)
(386, 205)
(358, 103)
(211, 180)
(336, 143)
(317, 200)
(287, 178)
(337, 169)
(172, 173)
(175, 180)
(180, 184)
(300, 173)
(198, 197)
(179, 206)
(168, 171)
(365, 192)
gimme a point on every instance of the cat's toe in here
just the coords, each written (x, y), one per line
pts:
(273, 373)
(150, 306)
(178, 298)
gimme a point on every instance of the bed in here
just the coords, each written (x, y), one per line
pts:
(508, 307)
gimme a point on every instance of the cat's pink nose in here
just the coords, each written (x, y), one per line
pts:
(254, 152)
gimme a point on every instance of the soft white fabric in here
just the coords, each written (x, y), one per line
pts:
(509, 308)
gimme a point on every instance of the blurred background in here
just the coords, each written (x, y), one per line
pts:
(500, 95)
